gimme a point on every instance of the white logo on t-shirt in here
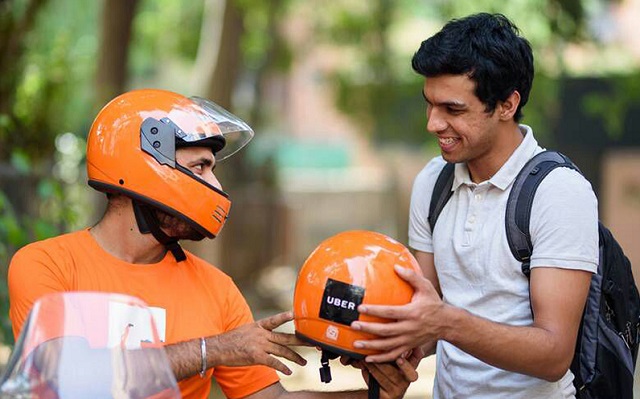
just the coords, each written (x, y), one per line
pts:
(130, 326)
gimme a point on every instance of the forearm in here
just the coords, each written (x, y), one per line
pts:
(248, 345)
(530, 350)
(185, 358)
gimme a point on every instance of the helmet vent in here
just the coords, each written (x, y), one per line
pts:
(121, 181)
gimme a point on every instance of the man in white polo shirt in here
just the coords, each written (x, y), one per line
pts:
(498, 334)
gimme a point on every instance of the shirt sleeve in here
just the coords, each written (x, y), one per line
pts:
(33, 273)
(564, 222)
(419, 231)
(238, 382)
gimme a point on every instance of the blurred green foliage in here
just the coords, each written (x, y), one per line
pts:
(48, 51)
(262, 42)
(51, 214)
(47, 79)
(164, 31)
(612, 107)
(380, 94)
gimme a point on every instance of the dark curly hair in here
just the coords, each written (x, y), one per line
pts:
(486, 47)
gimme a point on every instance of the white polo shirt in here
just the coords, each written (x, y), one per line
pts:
(477, 271)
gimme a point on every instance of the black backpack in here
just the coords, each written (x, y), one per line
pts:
(607, 344)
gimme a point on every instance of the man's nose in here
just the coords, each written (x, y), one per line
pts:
(213, 180)
(435, 122)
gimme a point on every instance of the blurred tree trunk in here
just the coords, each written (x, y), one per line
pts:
(13, 33)
(219, 55)
(113, 55)
(218, 63)
(243, 248)
(225, 74)
(208, 47)
(215, 74)
(226, 70)
(14, 30)
(276, 48)
(111, 74)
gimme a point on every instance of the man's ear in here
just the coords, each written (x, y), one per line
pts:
(507, 108)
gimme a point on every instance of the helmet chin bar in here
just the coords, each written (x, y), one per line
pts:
(148, 223)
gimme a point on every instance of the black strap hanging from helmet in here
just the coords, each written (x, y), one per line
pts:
(374, 388)
(325, 374)
(325, 370)
(148, 223)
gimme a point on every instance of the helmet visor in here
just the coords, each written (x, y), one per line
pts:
(215, 120)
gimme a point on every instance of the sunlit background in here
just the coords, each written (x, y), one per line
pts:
(337, 110)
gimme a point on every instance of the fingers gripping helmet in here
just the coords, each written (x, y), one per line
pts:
(343, 272)
(131, 150)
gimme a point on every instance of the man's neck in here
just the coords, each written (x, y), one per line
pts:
(484, 168)
(118, 234)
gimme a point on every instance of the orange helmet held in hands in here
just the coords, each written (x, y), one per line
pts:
(343, 272)
(131, 150)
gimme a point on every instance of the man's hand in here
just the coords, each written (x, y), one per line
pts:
(416, 323)
(394, 378)
(256, 343)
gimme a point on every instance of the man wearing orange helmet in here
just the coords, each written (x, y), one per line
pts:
(498, 334)
(153, 153)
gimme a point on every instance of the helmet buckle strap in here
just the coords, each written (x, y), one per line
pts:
(325, 370)
(148, 223)
(140, 217)
(325, 374)
(374, 388)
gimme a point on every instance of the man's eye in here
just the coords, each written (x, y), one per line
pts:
(199, 167)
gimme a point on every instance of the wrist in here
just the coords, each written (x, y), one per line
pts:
(214, 354)
(449, 317)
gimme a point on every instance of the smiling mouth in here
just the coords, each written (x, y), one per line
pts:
(447, 140)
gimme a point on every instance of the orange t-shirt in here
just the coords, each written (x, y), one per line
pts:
(189, 299)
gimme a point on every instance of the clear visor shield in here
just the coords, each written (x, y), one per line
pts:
(89, 345)
(205, 119)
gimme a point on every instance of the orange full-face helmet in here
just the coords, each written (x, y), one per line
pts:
(344, 271)
(131, 150)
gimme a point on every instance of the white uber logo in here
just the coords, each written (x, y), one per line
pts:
(341, 303)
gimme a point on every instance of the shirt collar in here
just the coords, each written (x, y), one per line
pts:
(508, 172)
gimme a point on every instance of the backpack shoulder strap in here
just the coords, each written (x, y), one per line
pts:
(520, 200)
(441, 193)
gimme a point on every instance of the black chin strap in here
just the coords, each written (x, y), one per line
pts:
(325, 370)
(148, 223)
(374, 388)
(325, 374)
